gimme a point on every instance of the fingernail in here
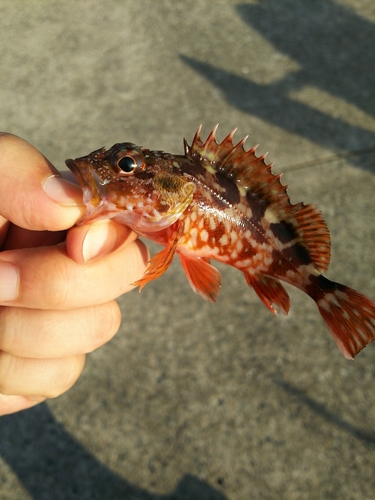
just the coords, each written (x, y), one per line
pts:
(9, 282)
(96, 243)
(62, 191)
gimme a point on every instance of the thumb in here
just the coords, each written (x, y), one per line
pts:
(33, 194)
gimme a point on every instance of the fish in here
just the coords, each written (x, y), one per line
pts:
(219, 201)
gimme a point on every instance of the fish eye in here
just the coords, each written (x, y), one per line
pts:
(128, 161)
(127, 164)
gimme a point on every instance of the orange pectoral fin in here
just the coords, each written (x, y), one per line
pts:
(203, 278)
(270, 291)
(157, 265)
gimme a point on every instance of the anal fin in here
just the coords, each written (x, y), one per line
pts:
(270, 291)
(204, 278)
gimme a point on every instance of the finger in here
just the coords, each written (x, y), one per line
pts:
(32, 194)
(41, 378)
(35, 333)
(12, 404)
(84, 243)
(89, 242)
(17, 237)
(47, 278)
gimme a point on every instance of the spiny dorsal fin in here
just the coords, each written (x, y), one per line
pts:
(254, 177)
(209, 150)
(244, 168)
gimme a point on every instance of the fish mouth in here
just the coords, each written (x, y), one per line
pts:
(92, 194)
(72, 167)
(80, 171)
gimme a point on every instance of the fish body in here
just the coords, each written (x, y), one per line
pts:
(221, 202)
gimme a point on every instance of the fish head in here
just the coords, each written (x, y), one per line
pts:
(143, 189)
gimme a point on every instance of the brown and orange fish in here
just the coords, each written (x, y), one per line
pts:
(218, 201)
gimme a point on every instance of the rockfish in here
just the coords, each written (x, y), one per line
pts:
(221, 202)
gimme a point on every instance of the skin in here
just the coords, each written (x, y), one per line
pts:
(58, 283)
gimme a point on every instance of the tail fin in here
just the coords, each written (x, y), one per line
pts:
(349, 315)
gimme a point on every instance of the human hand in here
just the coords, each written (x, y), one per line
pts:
(56, 294)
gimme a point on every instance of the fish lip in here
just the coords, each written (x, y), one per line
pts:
(77, 172)
(82, 171)
(71, 165)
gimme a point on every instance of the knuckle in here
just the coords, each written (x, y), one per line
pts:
(65, 376)
(107, 322)
(58, 275)
(8, 337)
(7, 373)
(38, 379)
(59, 292)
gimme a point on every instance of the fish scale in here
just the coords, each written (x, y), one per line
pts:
(221, 202)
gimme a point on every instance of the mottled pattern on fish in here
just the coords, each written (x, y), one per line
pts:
(219, 201)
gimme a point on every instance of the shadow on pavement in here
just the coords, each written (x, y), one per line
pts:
(50, 463)
(366, 438)
(318, 35)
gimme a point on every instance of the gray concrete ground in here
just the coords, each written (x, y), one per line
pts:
(193, 400)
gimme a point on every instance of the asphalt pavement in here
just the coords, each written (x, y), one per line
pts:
(190, 400)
